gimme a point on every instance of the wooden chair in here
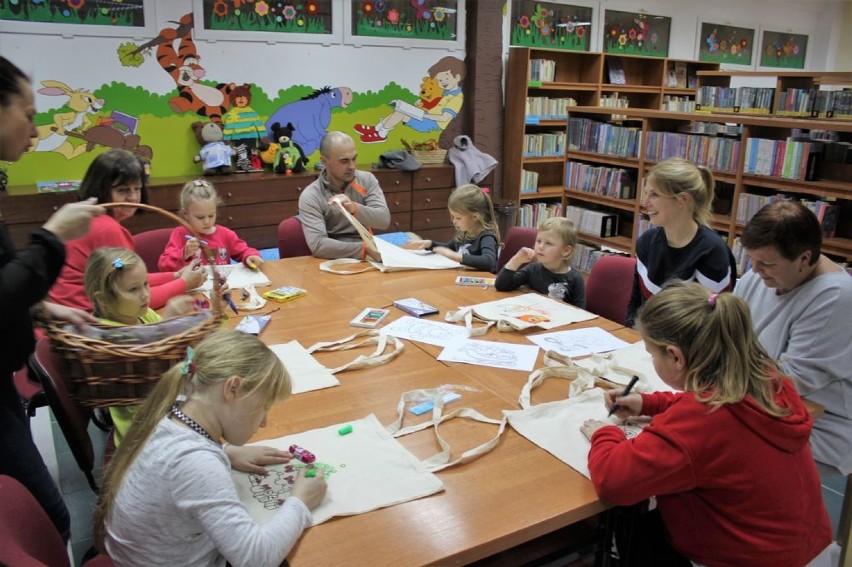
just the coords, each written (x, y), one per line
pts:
(150, 245)
(609, 287)
(516, 238)
(27, 536)
(73, 418)
(291, 239)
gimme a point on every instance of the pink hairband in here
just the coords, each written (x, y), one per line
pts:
(711, 301)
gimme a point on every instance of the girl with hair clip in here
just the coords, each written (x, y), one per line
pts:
(115, 176)
(477, 240)
(168, 497)
(198, 202)
(678, 199)
(728, 457)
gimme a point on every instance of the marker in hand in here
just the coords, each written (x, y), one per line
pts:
(624, 393)
(190, 237)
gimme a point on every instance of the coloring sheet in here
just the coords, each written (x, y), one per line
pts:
(490, 353)
(305, 372)
(236, 275)
(425, 331)
(365, 470)
(620, 365)
(555, 426)
(531, 309)
(579, 341)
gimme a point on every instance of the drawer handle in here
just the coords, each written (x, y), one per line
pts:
(428, 221)
(55, 207)
(428, 179)
(396, 203)
(428, 200)
(396, 182)
(230, 218)
(298, 189)
(229, 195)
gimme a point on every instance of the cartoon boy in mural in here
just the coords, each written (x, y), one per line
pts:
(449, 72)
(243, 128)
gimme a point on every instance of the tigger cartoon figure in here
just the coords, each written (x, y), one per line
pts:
(185, 68)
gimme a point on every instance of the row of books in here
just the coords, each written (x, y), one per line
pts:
(826, 212)
(742, 261)
(833, 104)
(757, 100)
(544, 108)
(529, 181)
(589, 135)
(585, 257)
(531, 214)
(678, 104)
(711, 129)
(606, 181)
(542, 70)
(595, 223)
(719, 154)
(788, 158)
(547, 144)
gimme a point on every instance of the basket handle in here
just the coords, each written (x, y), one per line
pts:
(216, 296)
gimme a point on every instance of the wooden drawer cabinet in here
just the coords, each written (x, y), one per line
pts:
(254, 204)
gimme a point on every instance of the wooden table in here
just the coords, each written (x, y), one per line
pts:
(512, 495)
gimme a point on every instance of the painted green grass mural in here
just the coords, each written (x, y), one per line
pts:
(555, 26)
(173, 144)
(125, 13)
(415, 19)
(309, 16)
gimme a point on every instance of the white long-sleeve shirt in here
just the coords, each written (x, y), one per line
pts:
(808, 332)
(177, 505)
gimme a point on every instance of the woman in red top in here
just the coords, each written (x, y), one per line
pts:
(728, 458)
(115, 176)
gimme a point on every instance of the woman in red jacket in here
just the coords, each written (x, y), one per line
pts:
(115, 176)
(728, 458)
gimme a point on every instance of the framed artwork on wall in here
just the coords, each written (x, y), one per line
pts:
(307, 21)
(130, 18)
(785, 50)
(726, 44)
(551, 25)
(405, 23)
(635, 33)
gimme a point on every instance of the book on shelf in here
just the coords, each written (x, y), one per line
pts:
(615, 70)
(594, 223)
(676, 75)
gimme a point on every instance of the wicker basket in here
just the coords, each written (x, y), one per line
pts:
(427, 157)
(102, 372)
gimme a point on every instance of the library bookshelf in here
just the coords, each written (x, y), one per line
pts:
(729, 154)
(587, 79)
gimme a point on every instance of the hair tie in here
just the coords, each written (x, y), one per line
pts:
(201, 183)
(118, 264)
(711, 301)
(486, 190)
(188, 367)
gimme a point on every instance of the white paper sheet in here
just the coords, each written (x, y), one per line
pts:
(398, 258)
(236, 275)
(306, 373)
(490, 353)
(579, 341)
(365, 470)
(424, 331)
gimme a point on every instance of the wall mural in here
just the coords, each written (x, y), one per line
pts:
(77, 121)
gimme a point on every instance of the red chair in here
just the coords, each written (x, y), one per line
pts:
(27, 536)
(150, 245)
(609, 287)
(516, 238)
(291, 239)
(72, 417)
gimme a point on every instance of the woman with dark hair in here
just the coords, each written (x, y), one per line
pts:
(24, 281)
(800, 303)
(116, 176)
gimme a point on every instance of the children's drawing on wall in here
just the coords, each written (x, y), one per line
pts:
(636, 33)
(311, 16)
(725, 44)
(426, 116)
(780, 49)
(546, 24)
(125, 13)
(311, 115)
(184, 67)
(408, 19)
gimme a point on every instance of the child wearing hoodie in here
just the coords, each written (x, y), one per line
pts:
(727, 458)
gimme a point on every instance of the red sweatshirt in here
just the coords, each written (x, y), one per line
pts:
(224, 243)
(734, 486)
(106, 231)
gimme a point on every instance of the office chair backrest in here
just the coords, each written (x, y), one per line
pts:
(27, 536)
(150, 245)
(516, 238)
(291, 239)
(72, 417)
(609, 287)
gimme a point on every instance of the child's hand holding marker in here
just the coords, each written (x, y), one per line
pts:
(254, 262)
(192, 246)
(627, 405)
